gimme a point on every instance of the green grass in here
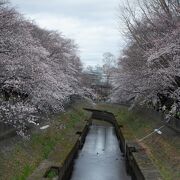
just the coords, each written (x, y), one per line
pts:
(52, 173)
(163, 150)
(27, 169)
(22, 160)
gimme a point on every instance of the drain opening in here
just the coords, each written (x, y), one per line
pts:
(78, 132)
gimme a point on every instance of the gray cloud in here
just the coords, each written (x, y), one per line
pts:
(92, 23)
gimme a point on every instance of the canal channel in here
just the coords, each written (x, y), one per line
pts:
(100, 157)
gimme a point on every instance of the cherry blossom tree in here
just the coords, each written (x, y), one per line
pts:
(39, 70)
(148, 71)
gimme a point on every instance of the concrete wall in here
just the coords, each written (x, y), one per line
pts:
(138, 164)
(67, 167)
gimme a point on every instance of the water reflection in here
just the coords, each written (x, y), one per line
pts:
(100, 157)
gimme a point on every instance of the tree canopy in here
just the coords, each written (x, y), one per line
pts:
(149, 69)
(39, 70)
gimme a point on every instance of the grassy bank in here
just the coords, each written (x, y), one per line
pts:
(25, 156)
(164, 150)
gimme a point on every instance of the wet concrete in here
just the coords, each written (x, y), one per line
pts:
(100, 157)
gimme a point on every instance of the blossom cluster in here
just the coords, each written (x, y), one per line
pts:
(149, 69)
(39, 70)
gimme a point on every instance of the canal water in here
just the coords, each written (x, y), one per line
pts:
(100, 157)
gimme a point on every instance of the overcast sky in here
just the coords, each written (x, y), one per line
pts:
(93, 24)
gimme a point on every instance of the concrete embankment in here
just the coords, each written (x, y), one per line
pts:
(61, 167)
(47, 148)
(138, 164)
(100, 155)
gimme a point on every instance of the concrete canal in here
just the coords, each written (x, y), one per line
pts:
(100, 158)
